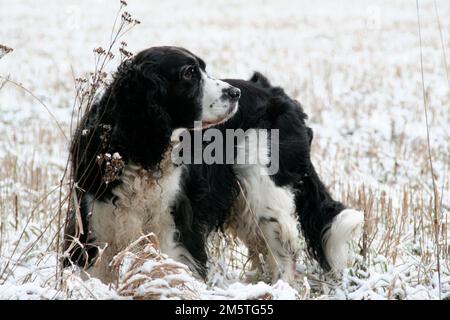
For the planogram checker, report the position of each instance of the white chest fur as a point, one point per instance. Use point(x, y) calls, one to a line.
point(142, 206)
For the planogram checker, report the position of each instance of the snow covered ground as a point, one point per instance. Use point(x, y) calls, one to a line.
point(355, 67)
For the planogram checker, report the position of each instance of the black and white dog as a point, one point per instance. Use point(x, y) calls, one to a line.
point(127, 184)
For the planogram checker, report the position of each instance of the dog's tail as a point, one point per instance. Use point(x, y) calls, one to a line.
point(326, 224)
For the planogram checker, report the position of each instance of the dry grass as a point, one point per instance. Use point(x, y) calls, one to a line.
point(147, 274)
point(370, 147)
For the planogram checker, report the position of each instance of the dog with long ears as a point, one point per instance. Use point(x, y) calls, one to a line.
point(127, 184)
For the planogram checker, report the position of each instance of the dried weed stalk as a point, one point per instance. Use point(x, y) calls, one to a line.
point(147, 274)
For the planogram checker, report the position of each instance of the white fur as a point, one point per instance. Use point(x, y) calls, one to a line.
point(344, 228)
point(264, 219)
point(142, 206)
point(214, 106)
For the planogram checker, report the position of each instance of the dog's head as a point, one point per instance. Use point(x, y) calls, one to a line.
point(157, 91)
point(175, 80)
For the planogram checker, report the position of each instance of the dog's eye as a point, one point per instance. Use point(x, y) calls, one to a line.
point(189, 73)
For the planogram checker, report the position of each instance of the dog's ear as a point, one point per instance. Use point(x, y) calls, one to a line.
point(142, 126)
point(137, 85)
point(155, 85)
point(259, 79)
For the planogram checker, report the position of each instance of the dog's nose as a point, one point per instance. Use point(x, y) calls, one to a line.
point(233, 93)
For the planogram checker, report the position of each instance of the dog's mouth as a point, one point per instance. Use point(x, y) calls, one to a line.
point(230, 112)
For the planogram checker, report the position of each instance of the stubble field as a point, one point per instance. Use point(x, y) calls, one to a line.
point(356, 69)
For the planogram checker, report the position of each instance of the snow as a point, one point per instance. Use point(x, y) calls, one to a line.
point(354, 66)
